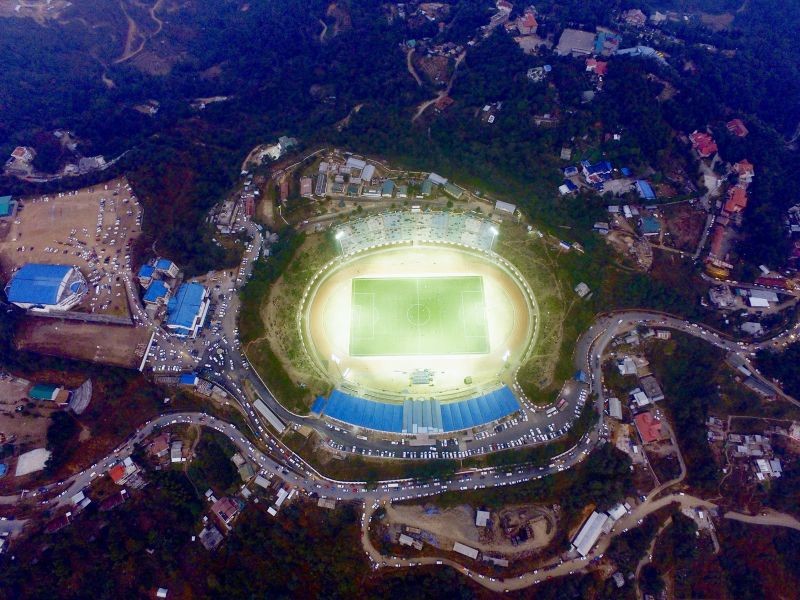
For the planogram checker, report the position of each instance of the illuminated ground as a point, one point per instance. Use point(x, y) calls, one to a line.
point(432, 335)
point(404, 316)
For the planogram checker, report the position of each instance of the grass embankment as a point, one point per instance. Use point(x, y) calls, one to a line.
point(268, 317)
point(371, 470)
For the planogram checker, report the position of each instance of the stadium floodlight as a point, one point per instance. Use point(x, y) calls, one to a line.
point(506, 355)
point(336, 359)
point(494, 235)
point(339, 235)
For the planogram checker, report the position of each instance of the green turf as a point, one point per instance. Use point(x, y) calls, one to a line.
point(413, 316)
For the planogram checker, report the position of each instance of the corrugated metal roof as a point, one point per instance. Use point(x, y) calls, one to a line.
point(185, 305)
point(146, 271)
point(164, 264)
point(5, 206)
point(37, 283)
point(158, 289)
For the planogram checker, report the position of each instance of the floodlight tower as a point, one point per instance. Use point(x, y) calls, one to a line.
point(494, 235)
point(339, 235)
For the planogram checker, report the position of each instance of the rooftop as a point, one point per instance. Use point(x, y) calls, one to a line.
point(37, 283)
point(157, 290)
point(185, 305)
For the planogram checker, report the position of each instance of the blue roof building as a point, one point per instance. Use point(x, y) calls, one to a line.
point(46, 287)
point(167, 266)
point(387, 189)
point(570, 171)
point(187, 310)
point(146, 271)
point(645, 191)
point(650, 226)
point(157, 292)
point(188, 379)
point(6, 206)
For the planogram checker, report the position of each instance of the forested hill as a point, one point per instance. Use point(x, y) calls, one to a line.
point(297, 67)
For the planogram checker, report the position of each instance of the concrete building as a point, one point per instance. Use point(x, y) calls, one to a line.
point(575, 42)
point(166, 266)
point(465, 550)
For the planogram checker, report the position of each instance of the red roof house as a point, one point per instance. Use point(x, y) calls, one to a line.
point(117, 473)
point(527, 24)
point(225, 509)
point(718, 242)
point(649, 427)
point(599, 67)
point(737, 200)
point(444, 102)
point(737, 127)
point(703, 144)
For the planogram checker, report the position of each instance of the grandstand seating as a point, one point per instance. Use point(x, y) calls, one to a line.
point(403, 226)
point(418, 416)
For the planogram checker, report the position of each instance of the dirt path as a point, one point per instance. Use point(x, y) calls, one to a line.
point(422, 107)
point(134, 32)
point(410, 66)
point(323, 32)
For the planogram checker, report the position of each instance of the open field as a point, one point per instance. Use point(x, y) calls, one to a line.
point(27, 428)
point(106, 344)
point(457, 524)
point(501, 319)
point(418, 316)
point(89, 228)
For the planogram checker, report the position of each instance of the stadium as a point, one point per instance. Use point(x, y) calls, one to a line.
point(44, 288)
point(418, 324)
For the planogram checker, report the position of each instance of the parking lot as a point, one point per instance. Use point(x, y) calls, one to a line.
point(91, 228)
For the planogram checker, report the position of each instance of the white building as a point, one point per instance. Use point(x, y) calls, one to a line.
point(590, 532)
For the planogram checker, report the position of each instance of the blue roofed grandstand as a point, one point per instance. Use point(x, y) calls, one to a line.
point(418, 416)
point(44, 287)
point(157, 292)
point(187, 310)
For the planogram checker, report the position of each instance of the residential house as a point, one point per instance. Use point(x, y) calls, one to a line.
point(703, 144)
point(305, 187)
point(159, 447)
point(23, 154)
point(527, 24)
point(648, 426)
point(225, 509)
point(634, 17)
point(596, 173)
point(737, 127)
point(737, 200)
point(745, 170)
point(598, 67)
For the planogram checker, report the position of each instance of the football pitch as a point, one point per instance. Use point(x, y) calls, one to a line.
point(411, 316)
